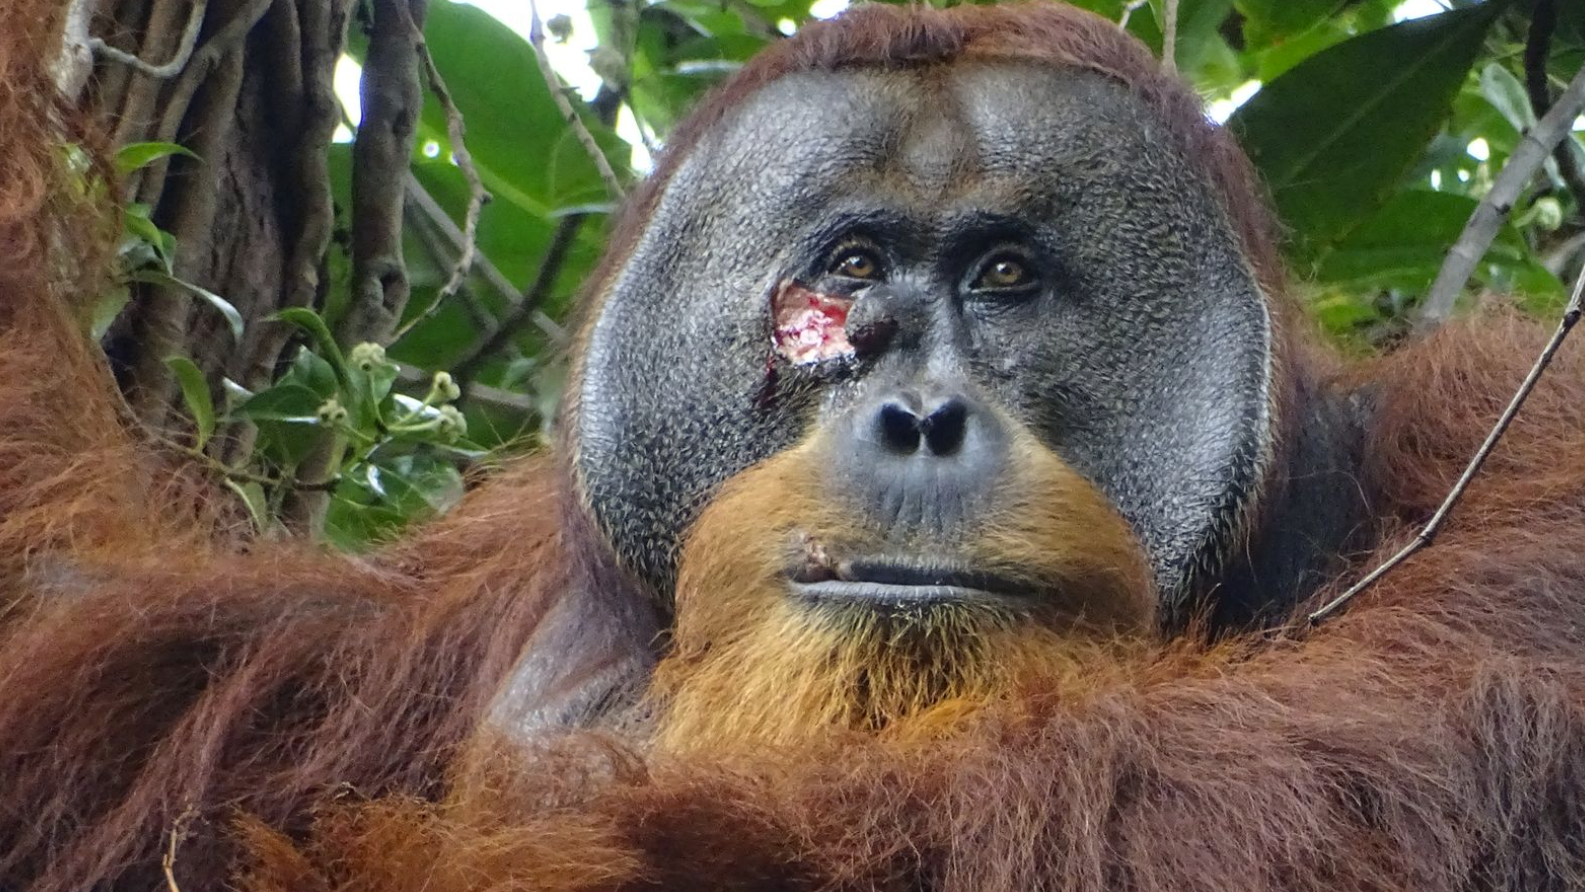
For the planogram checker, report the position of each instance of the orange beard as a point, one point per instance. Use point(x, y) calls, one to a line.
point(754, 665)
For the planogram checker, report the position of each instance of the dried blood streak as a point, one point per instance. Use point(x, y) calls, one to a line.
point(809, 326)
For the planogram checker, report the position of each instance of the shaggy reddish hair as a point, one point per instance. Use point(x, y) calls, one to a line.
point(296, 720)
point(1431, 738)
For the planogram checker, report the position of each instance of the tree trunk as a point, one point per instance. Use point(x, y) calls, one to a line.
point(252, 218)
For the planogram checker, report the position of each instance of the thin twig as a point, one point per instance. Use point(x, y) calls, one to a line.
point(1571, 315)
point(1537, 50)
point(1169, 37)
point(1129, 9)
point(494, 397)
point(754, 20)
point(1488, 217)
point(536, 37)
point(440, 251)
point(168, 861)
point(478, 196)
point(544, 280)
point(418, 196)
point(171, 68)
point(227, 472)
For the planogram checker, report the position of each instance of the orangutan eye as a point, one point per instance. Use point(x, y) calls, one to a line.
point(1005, 272)
point(856, 263)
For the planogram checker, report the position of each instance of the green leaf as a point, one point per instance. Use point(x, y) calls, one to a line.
point(195, 391)
point(312, 371)
point(354, 527)
point(137, 221)
point(106, 309)
point(377, 382)
point(1408, 236)
point(1275, 60)
point(164, 279)
point(1336, 133)
point(420, 489)
point(1270, 20)
point(140, 154)
point(528, 157)
point(375, 500)
point(1539, 290)
point(366, 395)
point(358, 516)
point(1403, 246)
point(287, 402)
point(285, 444)
point(234, 394)
point(1507, 95)
point(1342, 314)
point(310, 322)
point(252, 496)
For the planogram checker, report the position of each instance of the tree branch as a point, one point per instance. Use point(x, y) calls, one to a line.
point(392, 94)
point(1427, 534)
point(165, 313)
point(322, 29)
point(478, 196)
point(141, 104)
point(171, 68)
point(494, 397)
point(175, 105)
point(1537, 49)
point(1129, 8)
point(319, 28)
point(512, 323)
point(437, 248)
point(536, 37)
point(76, 60)
point(1466, 253)
point(497, 280)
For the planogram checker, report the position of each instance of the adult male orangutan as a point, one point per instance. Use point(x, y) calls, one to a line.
point(943, 464)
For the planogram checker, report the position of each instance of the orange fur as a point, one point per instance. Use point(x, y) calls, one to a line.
point(1431, 738)
point(750, 667)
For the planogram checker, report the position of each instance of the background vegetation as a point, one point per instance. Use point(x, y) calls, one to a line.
point(285, 300)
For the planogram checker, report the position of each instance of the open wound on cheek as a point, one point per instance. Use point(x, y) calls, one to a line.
point(809, 326)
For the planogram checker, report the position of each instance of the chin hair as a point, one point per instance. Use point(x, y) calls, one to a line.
point(807, 671)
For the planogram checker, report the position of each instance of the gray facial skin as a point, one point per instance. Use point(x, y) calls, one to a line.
point(1141, 356)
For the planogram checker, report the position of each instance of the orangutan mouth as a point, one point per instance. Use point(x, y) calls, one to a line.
point(888, 580)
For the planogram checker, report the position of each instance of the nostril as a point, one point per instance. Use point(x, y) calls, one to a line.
point(946, 427)
point(899, 428)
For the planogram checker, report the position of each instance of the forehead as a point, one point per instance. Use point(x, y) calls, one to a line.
point(938, 135)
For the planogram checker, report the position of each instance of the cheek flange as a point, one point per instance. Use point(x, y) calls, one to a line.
point(809, 327)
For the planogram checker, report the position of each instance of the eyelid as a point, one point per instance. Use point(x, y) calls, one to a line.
point(1015, 253)
point(854, 245)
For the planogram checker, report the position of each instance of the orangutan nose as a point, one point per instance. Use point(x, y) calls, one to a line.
point(922, 456)
point(939, 429)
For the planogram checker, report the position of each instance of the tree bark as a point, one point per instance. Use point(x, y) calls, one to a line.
point(252, 214)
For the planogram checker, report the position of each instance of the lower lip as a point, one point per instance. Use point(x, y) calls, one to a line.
point(889, 593)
